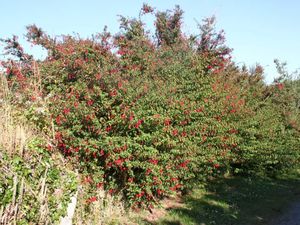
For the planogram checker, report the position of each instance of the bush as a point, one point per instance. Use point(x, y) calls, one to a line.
point(147, 118)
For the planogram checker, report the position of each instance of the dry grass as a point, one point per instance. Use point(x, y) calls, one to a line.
point(106, 210)
point(15, 134)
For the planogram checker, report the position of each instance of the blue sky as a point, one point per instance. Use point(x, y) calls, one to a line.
point(258, 30)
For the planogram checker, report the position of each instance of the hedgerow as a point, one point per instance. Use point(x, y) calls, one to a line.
point(147, 117)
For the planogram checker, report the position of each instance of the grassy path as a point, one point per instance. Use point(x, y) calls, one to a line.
point(236, 201)
point(290, 217)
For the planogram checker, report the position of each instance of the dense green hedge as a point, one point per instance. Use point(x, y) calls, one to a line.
point(147, 117)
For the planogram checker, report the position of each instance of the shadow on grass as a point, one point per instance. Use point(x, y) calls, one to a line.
point(235, 201)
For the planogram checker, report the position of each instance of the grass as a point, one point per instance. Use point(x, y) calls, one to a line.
point(236, 201)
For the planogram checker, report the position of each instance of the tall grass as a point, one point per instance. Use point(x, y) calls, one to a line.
point(14, 134)
point(106, 210)
point(13, 137)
